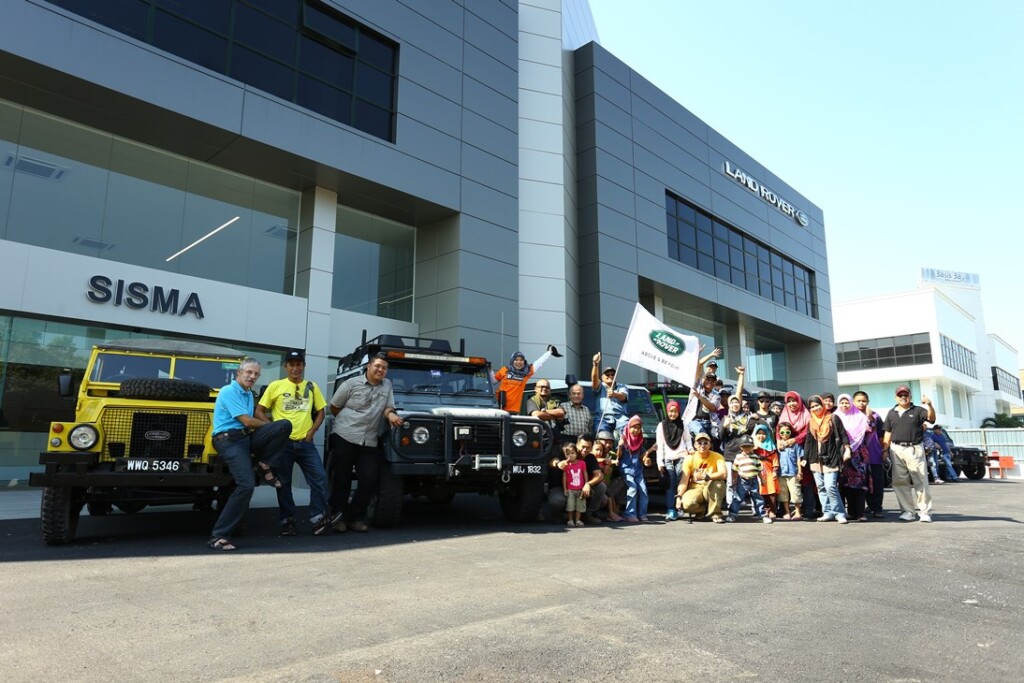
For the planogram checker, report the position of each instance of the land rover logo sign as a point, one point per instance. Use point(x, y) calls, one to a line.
point(667, 343)
point(765, 194)
point(157, 435)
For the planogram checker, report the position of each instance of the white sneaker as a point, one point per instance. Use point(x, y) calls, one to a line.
point(908, 517)
point(925, 517)
point(842, 520)
point(766, 520)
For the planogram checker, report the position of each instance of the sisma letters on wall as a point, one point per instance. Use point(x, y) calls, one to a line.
point(139, 296)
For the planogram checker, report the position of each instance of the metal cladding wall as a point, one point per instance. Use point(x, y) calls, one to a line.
point(635, 143)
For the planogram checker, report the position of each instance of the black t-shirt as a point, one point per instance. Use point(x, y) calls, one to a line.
point(908, 428)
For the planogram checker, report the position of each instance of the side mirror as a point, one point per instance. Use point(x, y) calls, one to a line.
point(65, 385)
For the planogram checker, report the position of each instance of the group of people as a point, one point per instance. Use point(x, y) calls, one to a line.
point(267, 439)
point(822, 458)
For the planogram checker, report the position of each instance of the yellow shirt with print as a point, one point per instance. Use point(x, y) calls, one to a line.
point(293, 402)
point(710, 464)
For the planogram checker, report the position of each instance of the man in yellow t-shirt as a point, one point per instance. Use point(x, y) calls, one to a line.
point(702, 482)
point(299, 401)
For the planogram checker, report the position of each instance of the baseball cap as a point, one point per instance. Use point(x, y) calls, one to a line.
point(608, 369)
point(295, 354)
point(711, 376)
point(747, 440)
point(902, 388)
point(702, 437)
point(765, 395)
point(605, 435)
point(712, 362)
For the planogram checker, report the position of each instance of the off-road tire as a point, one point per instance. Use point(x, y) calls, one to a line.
point(59, 512)
point(974, 471)
point(164, 390)
point(386, 507)
point(521, 498)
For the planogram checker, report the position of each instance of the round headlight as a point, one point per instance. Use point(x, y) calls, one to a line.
point(83, 437)
point(519, 438)
point(421, 435)
point(536, 429)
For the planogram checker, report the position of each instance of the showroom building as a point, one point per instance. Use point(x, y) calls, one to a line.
point(269, 175)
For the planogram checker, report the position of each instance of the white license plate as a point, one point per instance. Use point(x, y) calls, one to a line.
point(155, 465)
point(526, 469)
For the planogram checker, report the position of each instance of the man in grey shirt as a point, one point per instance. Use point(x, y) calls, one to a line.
point(360, 405)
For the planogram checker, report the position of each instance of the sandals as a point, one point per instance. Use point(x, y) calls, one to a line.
point(263, 470)
point(222, 544)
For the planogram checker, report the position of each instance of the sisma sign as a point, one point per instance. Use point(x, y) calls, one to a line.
point(140, 296)
point(766, 195)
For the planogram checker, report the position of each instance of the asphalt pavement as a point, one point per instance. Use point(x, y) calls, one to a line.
point(455, 594)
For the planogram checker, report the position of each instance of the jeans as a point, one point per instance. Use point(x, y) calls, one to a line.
point(933, 466)
point(673, 471)
point(951, 474)
point(609, 422)
point(267, 444)
point(365, 460)
point(696, 427)
point(828, 494)
point(304, 454)
point(747, 487)
point(636, 493)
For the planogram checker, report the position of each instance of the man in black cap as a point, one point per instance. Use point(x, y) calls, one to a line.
point(299, 401)
point(763, 414)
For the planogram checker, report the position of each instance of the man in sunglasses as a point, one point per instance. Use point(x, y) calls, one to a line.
point(904, 434)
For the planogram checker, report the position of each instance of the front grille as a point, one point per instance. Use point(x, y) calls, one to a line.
point(486, 438)
point(126, 429)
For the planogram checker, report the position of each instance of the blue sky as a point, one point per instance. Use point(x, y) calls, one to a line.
point(903, 121)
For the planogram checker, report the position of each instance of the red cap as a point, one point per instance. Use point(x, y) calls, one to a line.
point(902, 388)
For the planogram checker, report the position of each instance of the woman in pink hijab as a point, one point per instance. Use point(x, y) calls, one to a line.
point(796, 414)
point(853, 477)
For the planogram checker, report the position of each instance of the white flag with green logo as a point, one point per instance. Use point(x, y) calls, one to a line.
point(653, 345)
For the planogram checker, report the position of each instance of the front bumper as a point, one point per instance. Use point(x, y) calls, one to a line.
point(82, 470)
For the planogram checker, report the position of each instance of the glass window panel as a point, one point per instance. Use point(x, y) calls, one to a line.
point(672, 228)
point(264, 34)
point(329, 26)
point(790, 300)
point(704, 243)
point(373, 265)
point(127, 16)
point(753, 285)
point(777, 295)
point(738, 278)
point(686, 213)
point(190, 42)
point(373, 84)
point(722, 270)
point(324, 99)
point(372, 120)
point(787, 267)
point(776, 260)
point(706, 263)
point(777, 278)
point(762, 252)
point(790, 284)
point(688, 256)
point(261, 72)
point(736, 257)
point(286, 10)
point(749, 246)
point(213, 198)
point(885, 352)
point(58, 198)
point(274, 238)
point(735, 239)
point(750, 263)
point(10, 124)
point(721, 249)
point(720, 231)
point(673, 249)
point(670, 205)
point(687, 234)
point(801, 274)
point(703, 222)
point(922, 349)
point(213, 14)
point(920, 337)
point(377, 52)
point(903, 339)
point(869, 364)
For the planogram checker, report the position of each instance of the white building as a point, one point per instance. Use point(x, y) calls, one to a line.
point(934, 340)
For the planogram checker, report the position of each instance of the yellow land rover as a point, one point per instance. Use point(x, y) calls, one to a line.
point(141, 434)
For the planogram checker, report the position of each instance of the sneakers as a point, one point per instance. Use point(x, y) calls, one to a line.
point(288, 527)
point(718, 520)
point(570, 524)
point(766, 520)
point(842, 520)
point(325, 522)
point(924, 517)
point(671, 516)
point(908, 517)
point(938, 481)
point(730, 519)
point(580, 524)
point(827, 518)
point(358, 526)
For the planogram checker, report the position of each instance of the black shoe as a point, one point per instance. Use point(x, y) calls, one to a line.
point(288, 527)
point(325, 523)
point(554, 351)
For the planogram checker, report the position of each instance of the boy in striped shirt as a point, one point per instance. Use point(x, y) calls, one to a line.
point(747, 467)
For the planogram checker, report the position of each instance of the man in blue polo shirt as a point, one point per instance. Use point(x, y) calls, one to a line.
point(238, 436)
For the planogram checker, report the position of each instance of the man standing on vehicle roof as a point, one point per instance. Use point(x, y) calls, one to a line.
point(299, 401)
point(360, 406)
point(513, 377)
point(904, 434)
point(611, 399)
point(237, 436)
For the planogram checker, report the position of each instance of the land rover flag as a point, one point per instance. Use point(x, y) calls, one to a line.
point(653, 345)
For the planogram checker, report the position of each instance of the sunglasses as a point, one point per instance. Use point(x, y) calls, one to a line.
point(781, 433)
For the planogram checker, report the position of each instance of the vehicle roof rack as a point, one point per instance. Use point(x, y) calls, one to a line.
point(396, 342)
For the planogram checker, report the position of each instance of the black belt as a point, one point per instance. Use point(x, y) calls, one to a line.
point(232, 434)
point(907, 444)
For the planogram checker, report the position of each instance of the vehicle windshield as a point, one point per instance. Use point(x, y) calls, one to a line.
point(440, 378)
point(117, 367)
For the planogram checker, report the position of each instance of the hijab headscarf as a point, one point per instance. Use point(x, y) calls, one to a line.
point(798, 419)
point(821, 427)
point(633, 443)
point(512, 373)
point(673, 429)
point(769, 441)
point(855, 422)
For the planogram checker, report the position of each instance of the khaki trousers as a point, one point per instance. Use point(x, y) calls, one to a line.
point(704, 498)
point(910, 471)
